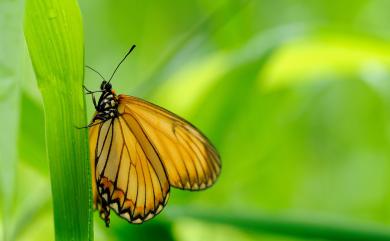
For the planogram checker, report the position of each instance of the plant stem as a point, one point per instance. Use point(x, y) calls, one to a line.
point(53, 30)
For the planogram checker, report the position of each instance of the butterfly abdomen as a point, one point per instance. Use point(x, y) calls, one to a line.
point(107, 106)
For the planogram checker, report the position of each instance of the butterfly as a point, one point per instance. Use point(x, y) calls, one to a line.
point(139, 150)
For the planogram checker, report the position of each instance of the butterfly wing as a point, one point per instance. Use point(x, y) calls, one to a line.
point(189, 158)
point(128, 174)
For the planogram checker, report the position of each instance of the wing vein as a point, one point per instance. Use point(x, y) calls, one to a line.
point(109, 149)
point(151, 144)
point(163, 144)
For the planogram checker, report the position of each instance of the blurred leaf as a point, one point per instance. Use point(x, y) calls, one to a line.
point(33, 207)
point(290, 226)
point(147, 231)
point(188, 44)
point(324, 54)
point(10, 53)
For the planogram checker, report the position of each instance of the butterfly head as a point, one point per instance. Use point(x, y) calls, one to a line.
point(106, 86)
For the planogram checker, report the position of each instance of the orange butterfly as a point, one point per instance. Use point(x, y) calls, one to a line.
point(139, 150)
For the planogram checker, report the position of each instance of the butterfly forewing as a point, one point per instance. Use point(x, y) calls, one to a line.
point(190, 160)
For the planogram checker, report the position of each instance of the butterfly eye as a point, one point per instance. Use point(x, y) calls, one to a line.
point(105, 86)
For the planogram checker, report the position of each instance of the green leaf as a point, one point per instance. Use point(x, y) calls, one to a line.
point(54, 34)
point(32, 135)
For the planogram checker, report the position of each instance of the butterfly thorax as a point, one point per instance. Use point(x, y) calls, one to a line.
point(107, 106)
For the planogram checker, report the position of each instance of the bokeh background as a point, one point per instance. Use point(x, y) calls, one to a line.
point(294, 94)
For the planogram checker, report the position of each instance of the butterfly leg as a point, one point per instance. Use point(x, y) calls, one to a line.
point(97, 117)
point(88, 91)
point(94, 100)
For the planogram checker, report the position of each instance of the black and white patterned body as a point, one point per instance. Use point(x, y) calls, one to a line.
point(107, 106)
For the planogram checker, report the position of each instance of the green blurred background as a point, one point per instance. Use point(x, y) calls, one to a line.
point(294, 94)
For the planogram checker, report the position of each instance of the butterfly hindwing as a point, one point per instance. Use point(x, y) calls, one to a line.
point(129, 177)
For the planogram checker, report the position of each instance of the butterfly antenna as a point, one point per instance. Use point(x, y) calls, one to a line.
point(131, 49)
point(94, 70)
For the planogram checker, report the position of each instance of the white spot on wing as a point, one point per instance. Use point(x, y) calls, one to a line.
point(126, 216)
point(160, 207)
point(166, 199)
point(114, 206)
point(150, 215)
point(105, 196)
point(138, 220)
